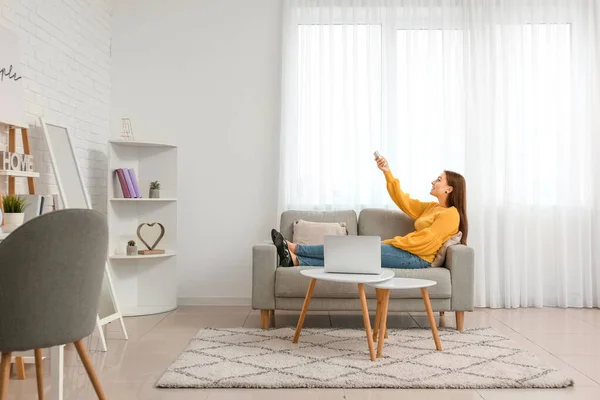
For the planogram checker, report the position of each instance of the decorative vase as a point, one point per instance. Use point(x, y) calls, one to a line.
point(155, 193)
point(12, 221)
point(132, 250)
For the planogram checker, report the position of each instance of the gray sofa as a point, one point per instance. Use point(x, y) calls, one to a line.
point(277, 288)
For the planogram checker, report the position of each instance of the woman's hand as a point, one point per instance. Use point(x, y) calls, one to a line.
point(382, 164)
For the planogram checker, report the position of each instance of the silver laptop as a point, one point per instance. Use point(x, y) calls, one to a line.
point(352, 254)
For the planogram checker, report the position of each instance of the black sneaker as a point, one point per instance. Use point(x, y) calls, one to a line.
point(285, 258)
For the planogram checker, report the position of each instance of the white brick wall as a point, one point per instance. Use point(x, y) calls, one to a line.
point(65, 47)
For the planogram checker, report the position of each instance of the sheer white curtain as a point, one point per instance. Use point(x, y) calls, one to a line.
point(506, 92)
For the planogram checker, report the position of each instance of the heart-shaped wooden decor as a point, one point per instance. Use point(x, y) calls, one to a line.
point(151, 250)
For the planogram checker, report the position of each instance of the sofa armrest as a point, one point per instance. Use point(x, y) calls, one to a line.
point(460, 260)
point(264, 265)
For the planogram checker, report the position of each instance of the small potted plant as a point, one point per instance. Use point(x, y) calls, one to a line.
point(131, 248)
point(154, 190)
point(14, 212)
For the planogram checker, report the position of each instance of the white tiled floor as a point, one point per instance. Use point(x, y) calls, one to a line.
point(565, 338)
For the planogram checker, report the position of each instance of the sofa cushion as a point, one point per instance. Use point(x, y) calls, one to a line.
point(308, 232)
point(290, 216)
point(440, 256)
point(384, 223)
point(290, 283)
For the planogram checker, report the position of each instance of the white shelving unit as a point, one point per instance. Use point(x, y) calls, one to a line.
point(144, 284)
point(138, 257)
point(143, 199)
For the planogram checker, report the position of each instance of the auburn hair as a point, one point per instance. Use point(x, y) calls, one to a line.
point(458, 198)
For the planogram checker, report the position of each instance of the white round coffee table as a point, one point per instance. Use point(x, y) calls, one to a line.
point(360, 279)
point(383, 299)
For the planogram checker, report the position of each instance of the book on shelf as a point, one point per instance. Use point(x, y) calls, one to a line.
point(33, 206)
point(129, 183)
point(136, 184)
point(123, 183)
point(130, 186)
point(56, 204)
point(36, 205)
point(47, 204)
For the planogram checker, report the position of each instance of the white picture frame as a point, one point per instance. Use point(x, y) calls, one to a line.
point(73, 194)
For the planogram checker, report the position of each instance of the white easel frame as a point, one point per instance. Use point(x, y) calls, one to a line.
point(65, 203)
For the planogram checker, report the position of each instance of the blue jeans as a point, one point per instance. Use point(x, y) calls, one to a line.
point(391, 257)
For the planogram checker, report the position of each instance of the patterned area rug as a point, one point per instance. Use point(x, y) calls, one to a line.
point(339, 358)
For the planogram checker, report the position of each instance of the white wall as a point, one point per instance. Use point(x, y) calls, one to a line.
point(65, 48)
point(205, 75)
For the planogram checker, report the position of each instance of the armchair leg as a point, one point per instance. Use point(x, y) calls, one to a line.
point(264, 318)
point(39, 373)
point(460, 320)
point(4, 375)
point(89, 368)
point(20, 367)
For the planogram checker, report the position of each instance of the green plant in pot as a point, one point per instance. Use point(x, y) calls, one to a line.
point(14, 212)
point(131, 248)
point(154, 190)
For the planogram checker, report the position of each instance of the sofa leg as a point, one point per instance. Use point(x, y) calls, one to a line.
point(264, 318)
point(442, 319)
point(460, 320)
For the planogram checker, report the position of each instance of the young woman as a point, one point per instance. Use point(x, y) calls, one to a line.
point(435, 223)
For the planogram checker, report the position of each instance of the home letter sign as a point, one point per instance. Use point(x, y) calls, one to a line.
point(17, 162)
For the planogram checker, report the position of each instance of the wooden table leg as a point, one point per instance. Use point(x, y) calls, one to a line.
point(385, 303)
point(367, 321)
point(377, 314)
point(434, 330)
point(309, 293)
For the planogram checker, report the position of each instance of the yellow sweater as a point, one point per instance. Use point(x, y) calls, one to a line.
point(434, 224)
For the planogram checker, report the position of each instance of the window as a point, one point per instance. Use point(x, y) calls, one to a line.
point(420, 96)
point(532, 134)
point(430, 109)
point(339, 112)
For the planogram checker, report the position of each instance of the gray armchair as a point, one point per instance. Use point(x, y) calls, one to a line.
point(51, 272)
